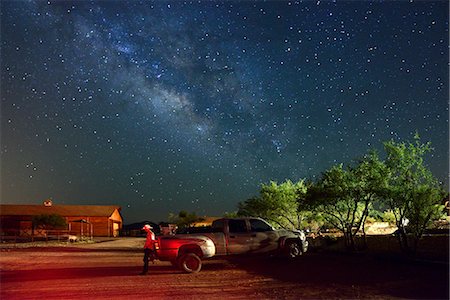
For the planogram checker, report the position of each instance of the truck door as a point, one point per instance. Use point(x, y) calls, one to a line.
point(264, 238)
point(239, 238)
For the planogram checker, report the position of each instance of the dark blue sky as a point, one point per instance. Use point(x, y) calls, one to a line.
point(168, 105)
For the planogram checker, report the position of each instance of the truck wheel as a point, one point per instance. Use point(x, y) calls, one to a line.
point(190, 263)
point(293, 249)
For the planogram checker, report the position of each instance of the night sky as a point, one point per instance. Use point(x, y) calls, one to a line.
point(166, 106)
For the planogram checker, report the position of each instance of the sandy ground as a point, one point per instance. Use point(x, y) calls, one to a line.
point(109, 270)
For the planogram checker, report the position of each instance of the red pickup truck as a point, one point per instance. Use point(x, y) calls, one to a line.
point(229, 236)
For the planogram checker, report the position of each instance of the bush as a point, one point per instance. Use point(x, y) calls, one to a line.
point(52, 221)
point(388, 216)
point(375, 216)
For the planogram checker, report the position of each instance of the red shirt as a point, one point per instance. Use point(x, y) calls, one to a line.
point(150, 240)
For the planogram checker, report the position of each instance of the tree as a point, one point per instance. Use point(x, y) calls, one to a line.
point(45, 221)
point(413, 193)
point(344, 196)
point(370, 177)
point(184, 219)
point(279, 204)
point(331, 196)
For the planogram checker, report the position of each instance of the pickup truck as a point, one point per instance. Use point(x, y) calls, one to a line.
point(229, 236)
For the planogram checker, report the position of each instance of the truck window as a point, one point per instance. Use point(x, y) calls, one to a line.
point(218, 226)
point(259, 226)
point(237, 226)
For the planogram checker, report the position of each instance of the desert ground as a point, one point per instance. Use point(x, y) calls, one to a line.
point(109, 270)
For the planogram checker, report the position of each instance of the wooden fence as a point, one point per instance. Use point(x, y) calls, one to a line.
point(24, 236)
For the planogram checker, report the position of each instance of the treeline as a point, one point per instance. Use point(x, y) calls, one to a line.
point(399, 188)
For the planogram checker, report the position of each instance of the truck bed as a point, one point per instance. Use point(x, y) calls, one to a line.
point(218, 239)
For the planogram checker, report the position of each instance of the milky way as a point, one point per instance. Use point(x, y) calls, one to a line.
point(166, 106)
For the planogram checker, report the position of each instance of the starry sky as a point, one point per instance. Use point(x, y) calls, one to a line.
point(162, 106)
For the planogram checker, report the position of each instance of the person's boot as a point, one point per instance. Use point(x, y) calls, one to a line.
point(144, 271)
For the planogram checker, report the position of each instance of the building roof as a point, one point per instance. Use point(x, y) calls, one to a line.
point(62, 210)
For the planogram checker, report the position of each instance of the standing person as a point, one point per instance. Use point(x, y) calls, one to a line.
point(148, 247)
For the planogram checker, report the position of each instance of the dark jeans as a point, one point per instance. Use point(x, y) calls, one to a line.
point(148, 253)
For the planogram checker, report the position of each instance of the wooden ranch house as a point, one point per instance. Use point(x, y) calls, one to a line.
point(84, 220)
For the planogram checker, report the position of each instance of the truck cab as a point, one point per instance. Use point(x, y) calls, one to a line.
point(230, 236)
point(254, 235)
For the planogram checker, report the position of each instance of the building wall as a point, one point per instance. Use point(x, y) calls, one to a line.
point(78, 228)
point(116, 217)
point(101, 226)
point(116, 223)
point(96, 226)
point(14, 225)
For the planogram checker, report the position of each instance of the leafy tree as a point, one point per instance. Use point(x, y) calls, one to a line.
point(344, 196)
point(413, 193)
point(370, 179)
point(52, 221)
point(279, 204)
point(332, 197)
point(184, 219)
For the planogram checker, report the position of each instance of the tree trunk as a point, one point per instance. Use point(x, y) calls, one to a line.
point(364, 247)
point(403, 239)
point(350, 241)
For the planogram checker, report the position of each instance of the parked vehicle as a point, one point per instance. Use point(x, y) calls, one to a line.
point(229, 236)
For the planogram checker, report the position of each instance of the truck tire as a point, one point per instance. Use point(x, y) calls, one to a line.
point(293, 249)
point(190, 263)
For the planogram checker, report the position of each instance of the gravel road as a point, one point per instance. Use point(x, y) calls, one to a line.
point(109, 270)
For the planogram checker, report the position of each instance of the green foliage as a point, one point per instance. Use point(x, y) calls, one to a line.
point(375, 215)
point(344, 196)
point(370, 219)
point(314, 220)
point(184, 219)
point(388, 216)
point(401, 186)
point(52, 221)
point(424, 208)
point(413, 194)
point(279, 204)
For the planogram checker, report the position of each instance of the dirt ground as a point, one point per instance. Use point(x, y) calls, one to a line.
point(110, 271)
